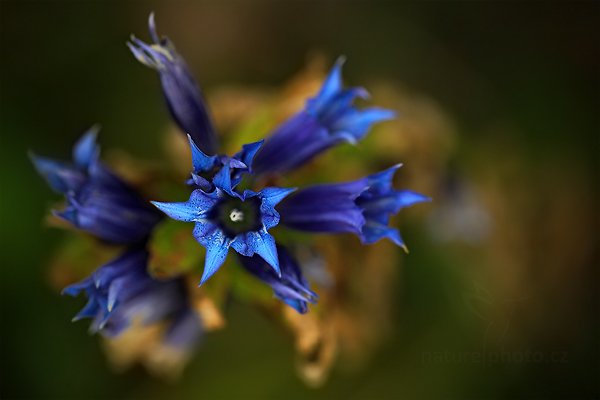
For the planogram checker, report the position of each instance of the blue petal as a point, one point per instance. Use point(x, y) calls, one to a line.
point(192, 210)
point(382, 182)
point(340, 104)
point(407, 198)
point(154, 57)
point(261, 243)
point(292, 144)
point(114, 214)
point(69, 214)
point(373, 232)
point(216, 253)
point(60, 176)
point(130, 261)
point(88, 311)
point(271, 196)
point(331, 85)
point(265, 247)
point(76, 288)
point(201, 182)
point(201, 161)
point(358, 122)
point(116, 286)
point(86, 150)
point(269, 216)
point(103, 177)
point(178, 211)
point(235, 164)
point(204, 231)
point(248, 152)
point(152, 28)
point(222, 180)
point(297, 305)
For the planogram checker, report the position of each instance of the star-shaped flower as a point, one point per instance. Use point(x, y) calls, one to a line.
point(121, 292)
point(291, 287)
point(327, 120)
point(206, 167)
point(181, 92)
point(225, 218)
point(98, 201)
point(362, 207)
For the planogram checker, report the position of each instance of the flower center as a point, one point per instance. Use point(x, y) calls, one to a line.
point(235, 216)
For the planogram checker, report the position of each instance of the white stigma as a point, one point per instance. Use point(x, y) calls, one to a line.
point(236, 215)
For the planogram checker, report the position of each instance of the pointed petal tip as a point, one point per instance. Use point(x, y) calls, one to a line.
point(340, 61)
point(407, 198)
point(399, 242)
point(131, 47)
point(34, 158)
point(152, 28)
point(86, 150)
point(290, 190)
point(273, 261)
point(206, 275)
point(66, 215)
point(203, 280)
point(180, 211)
point(95, 129)
point(170, 209)
point(348, 138)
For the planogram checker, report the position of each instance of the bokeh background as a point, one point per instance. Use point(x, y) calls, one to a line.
point(499, 295)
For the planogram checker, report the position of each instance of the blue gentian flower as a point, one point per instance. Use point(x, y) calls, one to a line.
point(98, 202)
point(291, 288)
point(205, 167)
point(326, 120)
point(122, 292)
point(225, 218)
point(183, 97)
point(362, 207)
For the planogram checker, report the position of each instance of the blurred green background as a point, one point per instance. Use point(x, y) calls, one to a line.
point(520, 82)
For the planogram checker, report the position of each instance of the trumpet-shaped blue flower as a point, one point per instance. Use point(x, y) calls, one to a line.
point(326, 120)
point(362, 207)
point(225, 218)
point(98, 202)
point(205, 167)
point(121, 292)
point(291, 288)
point(182, 94)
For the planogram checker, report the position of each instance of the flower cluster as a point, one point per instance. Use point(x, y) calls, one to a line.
point(121, 291)
point(227, 210)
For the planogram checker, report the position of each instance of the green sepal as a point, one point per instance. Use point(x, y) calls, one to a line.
point(173, 251)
